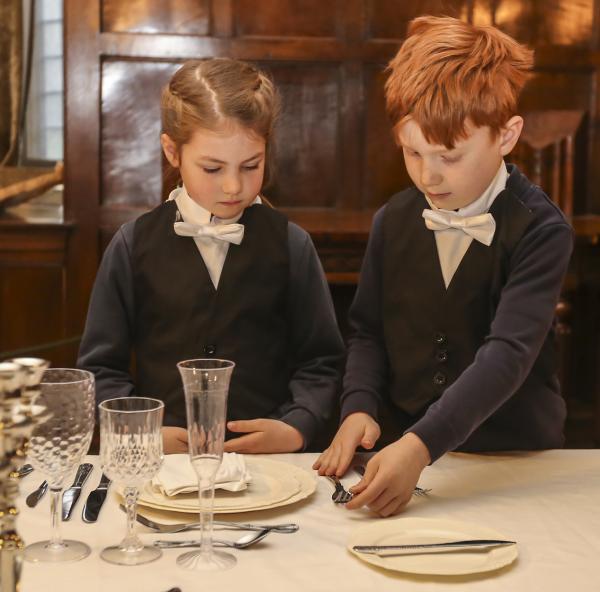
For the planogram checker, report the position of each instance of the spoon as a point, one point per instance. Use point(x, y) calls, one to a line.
point(35, 496)
point(21, 472)
point(243, 542)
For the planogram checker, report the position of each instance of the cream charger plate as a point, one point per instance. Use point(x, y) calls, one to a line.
point(274, 483)
point(407, 531)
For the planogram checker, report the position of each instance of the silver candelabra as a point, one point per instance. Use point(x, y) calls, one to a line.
point(19, 386)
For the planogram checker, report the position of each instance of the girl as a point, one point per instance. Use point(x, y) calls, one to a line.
point(214, 272)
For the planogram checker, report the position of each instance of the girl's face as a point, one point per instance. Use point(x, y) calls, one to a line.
point(222, 170)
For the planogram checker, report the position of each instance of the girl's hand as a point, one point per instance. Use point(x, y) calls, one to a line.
point(263, 436)
point(175, 440)
point(357, 428)
point(391, 476)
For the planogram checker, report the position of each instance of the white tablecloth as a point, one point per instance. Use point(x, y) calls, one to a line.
point(547, 501)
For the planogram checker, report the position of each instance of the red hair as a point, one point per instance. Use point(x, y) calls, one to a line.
point(448, 71)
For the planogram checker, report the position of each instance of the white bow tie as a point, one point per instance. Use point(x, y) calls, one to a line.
point(481, 227)
point(231, 233)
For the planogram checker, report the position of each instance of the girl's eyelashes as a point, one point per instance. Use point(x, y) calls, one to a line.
point(247, 167)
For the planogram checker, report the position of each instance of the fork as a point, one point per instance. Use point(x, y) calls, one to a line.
point(418, 491)
point(185, 526)
point(340, 495)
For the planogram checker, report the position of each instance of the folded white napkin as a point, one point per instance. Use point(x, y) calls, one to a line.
point(178, 476)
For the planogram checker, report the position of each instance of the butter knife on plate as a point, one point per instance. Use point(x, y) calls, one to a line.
point(71, 495)
point(94, 502)
point(466, 545)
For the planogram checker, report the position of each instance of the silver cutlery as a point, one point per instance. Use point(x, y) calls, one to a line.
point(243, 542)
point(21, 472)
point(418, 491)
point(185, 526)
point(467, 545)
point(71, 495)
point(340, 495)
point(95, 500)
point(35, 496)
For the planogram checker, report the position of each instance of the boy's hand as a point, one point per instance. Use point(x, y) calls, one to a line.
point(391, 476)
point(175, 440)
point(264, 436)
point(357, 428)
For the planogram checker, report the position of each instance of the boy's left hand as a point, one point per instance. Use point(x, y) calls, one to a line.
point(263, 436)
point(391, 476)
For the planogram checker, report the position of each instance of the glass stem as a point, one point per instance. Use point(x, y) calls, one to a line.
point(206, 492)
point(55, 541)
point(131, 543)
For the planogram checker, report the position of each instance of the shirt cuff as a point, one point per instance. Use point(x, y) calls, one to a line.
point(304, 422)
point(435, 434)
point(359, 402)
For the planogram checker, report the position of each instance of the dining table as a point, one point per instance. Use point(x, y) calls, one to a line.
point(546, 501)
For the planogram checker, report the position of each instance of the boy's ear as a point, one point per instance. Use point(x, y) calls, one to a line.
point(170, 149)
point(509, 134)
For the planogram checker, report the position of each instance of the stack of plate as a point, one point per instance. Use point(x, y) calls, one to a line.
point(274, 483)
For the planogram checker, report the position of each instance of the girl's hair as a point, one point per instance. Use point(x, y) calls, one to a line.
point(448, 71)
point(210, 93)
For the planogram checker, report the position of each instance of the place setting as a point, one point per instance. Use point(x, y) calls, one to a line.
point(131, 456)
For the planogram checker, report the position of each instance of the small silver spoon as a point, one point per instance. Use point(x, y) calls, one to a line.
point(21, 472)
point(243, 542)
point(35, 496)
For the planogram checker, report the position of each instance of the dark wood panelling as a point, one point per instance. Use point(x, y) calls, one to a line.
point(42, 311)
point(33, 298)
point(286, 18)
point(388, 19)
point(307, 139)
point(384, 170)
point(540, 22)
point(130, 144)
point(183, 17)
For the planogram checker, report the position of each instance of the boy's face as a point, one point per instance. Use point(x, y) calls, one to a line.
point(452, 179)
point(221, 170)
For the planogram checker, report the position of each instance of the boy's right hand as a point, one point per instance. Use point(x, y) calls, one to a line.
point(175, 440)
point(357, 429)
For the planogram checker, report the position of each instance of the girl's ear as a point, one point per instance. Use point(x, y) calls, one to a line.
point(170, 149)
point(509, 134)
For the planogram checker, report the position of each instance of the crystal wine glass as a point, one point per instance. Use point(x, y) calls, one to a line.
point(58, 442)
point(131, 453)
point(206, 386)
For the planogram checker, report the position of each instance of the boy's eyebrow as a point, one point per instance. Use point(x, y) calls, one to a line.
point(216, 160)
point(440, 151)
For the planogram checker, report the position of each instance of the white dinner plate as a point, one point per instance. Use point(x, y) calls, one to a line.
point(274, 483)
point(406, 531)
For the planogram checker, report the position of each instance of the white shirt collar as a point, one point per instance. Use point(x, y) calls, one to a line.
point(484, 202)
point(193, 213)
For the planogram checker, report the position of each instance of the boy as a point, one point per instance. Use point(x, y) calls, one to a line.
point(452, 341)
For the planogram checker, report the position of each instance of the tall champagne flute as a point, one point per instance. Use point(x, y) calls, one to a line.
point(131, 454)
point(58, 442)
point(206, 386)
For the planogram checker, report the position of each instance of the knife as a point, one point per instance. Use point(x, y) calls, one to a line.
point(71, 495)
point(35, 496)
point(95, 500)
point(470, 545)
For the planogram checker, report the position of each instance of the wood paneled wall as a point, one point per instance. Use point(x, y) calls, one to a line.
point(335, 156)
